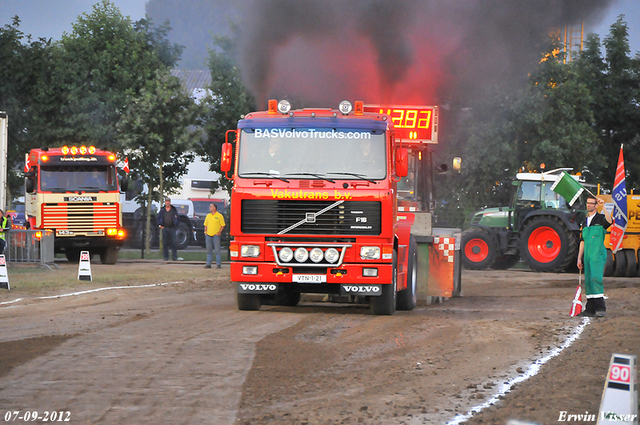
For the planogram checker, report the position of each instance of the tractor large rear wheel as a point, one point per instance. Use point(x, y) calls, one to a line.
point(546, 245)
point(479, 249)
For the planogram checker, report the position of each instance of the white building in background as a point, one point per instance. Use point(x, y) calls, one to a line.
point(198, 181)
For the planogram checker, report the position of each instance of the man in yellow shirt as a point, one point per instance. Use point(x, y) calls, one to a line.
point(213, 225)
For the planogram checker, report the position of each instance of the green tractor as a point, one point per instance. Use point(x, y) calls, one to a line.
point(539, 226)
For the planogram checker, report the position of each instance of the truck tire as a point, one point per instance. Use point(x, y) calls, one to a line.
point(479, 249)
point(152, 236)
point(385, 304)
point(632, 263)
point(505, 262)
point(72, 254)
point(183, 236)
point(620, 267)
point(609, 265)
point(546, 245)
point(407, 297)
point(109, 255)
point(248, 301)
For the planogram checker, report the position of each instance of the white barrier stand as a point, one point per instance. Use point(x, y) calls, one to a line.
point(4, 275)
point(84, 269)
point(620, 398)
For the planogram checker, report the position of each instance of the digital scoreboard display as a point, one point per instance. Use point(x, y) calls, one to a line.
point(418, 124)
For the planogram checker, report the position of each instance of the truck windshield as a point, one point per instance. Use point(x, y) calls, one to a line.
point(312, 154)
point(78, 178)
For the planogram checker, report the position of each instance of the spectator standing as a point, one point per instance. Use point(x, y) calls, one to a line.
point(213, 226)
point(168, 222)
point(592, 248)
point(4, 227)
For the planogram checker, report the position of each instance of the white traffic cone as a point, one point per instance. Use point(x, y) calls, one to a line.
point(4, 275)
point(84, 268)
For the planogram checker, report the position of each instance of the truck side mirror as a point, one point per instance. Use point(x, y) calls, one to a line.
point(402, 162)
point(225, 158)
point(29, 184)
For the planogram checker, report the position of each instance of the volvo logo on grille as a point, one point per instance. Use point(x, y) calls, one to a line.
point(80, 198)
point(311, 217)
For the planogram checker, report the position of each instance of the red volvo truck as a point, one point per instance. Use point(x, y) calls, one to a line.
point(74, 192)
point(321, 203)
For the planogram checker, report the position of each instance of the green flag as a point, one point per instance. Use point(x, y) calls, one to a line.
point(568, 187)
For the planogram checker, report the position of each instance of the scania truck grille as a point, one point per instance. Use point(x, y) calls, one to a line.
point(287, 217)
point(79, 217)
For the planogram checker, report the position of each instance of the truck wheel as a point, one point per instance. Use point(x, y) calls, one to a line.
point(248, 301)
point(73, 255)
point(109, 255)
point(407, 297)
point(546, 245)
point(505, 262)
point(479, 249)
point(632, 263)
point(385, 304)
point(620, 268)
point(152, 236)
point(183, 236)
point(609, 265)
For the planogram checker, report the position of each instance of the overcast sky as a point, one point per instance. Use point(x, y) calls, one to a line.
point(50, 18)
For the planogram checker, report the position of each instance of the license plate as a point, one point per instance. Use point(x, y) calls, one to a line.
point(309, 278)
point(64, 232)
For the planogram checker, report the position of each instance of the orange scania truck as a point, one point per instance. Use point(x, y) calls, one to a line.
point(73, 191)
point(323, 201)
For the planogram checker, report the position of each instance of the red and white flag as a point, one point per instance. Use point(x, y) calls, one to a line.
point(126, 165)
point(576, 306)
point(619, 213)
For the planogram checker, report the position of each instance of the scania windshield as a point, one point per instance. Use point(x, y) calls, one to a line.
point(85, 178)
point(312, 153)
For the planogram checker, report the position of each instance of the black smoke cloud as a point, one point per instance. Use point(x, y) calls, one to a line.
point(401, 51)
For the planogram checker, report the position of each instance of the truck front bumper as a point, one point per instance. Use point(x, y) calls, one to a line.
point(266, 278)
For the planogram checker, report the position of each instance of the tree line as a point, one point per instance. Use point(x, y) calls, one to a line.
point(573, 114)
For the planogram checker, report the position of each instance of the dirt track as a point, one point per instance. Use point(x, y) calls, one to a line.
point(182, 353)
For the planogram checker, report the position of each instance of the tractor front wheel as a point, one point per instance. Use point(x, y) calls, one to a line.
point(479, 249)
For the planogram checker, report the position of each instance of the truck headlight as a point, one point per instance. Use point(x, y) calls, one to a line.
point(250, 251)
point(285, 254)
point(316, 255)
point(301, 255)
point(370, 252)
point(331, 255)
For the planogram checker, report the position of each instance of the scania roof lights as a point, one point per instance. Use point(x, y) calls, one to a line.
point(345, 107)
point(284, 106)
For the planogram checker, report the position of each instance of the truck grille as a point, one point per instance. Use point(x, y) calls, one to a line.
point(80, 217)
point(275, 216)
